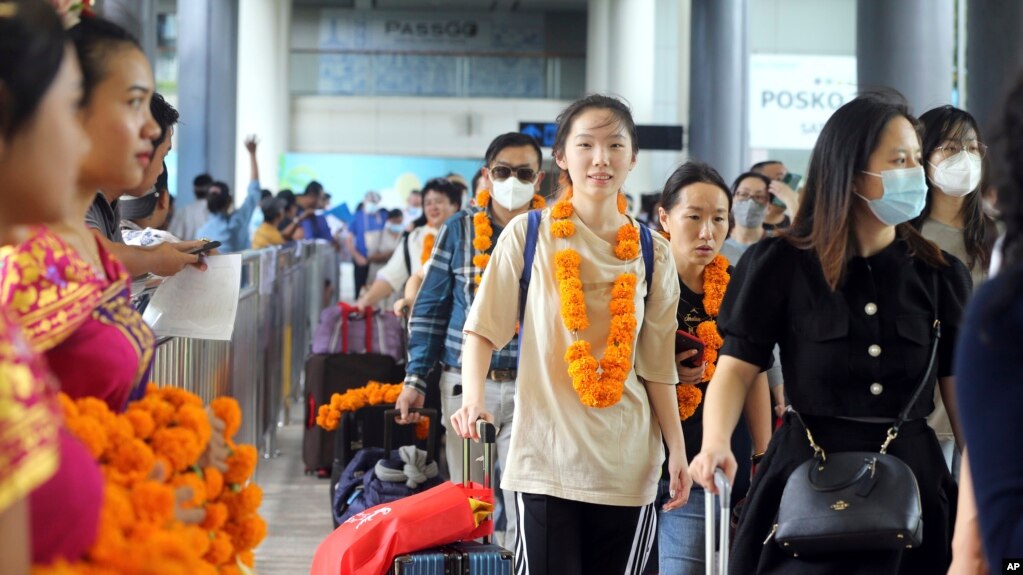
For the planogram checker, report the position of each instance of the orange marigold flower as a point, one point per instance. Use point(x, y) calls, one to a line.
point(179, 397)
point(221, 550)
point(248, 558)
point(626, 250)
point(247, 533)
point(216, 516)
point(241, 464)
point(133, 458)
point(117, 507)
point(483, 198)
point(568, 259)
point(141, 422)
point(196, 484)
point(196, 420)
point(689, 398)
point(229, 569)
point(161, 411)
point(214, 482)
point(180, 446)
point(477, 279)
point(623, 203)
point(153, 501)
point(67, 405)
point(539, 202)
point(90, 432)
point(708, 333)
point(562, 210)
point(228, 411)
point(563, 228)
point(481, 243)
point(423, 428)
point(480, 260)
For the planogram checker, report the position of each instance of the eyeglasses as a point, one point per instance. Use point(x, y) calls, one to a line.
point(743, 195)
point(502, 173)
point(972, 147)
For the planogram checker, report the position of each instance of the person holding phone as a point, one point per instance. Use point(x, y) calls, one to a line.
point(694, 208)
point(784, 199)
point(850, 294)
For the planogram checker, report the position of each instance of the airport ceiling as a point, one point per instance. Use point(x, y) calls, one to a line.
point(455, 5)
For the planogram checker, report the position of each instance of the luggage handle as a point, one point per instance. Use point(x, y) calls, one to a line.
point(431, 440)
point(488, 436)
point(725, 497)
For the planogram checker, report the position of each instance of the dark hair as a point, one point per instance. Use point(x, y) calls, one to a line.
point(415, 193)
point(444, 186)
point(476, 182)
point(841, 153)
point(218, 198)
point(288, 196)
point(161, 180)
point(979, 231)
point(272, 208)
point(619, 112)
point(203, 180)
point(759, 166)
point(164, 114)
point(750, 174)
point(31, 52)
point(512, 140)
point(313, 187)
point(265, 193)
point(395, 213)
point(95, 40)
point(688, 174)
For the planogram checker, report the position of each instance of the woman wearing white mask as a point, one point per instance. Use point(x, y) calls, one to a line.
point(749, 208)
point(850, 293)
point(953, 216)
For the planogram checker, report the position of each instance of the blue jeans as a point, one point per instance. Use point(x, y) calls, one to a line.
point(680, 534)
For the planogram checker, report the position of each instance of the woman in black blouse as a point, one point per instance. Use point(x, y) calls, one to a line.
point(848, 296)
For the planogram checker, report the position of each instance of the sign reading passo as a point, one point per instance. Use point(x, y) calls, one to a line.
point(791, 97)
point(434, 29)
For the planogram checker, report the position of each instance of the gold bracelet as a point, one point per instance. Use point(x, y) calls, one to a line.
point(756, 457)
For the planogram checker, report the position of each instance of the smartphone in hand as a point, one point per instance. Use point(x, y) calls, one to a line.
point(205, 248)
point(684, 341)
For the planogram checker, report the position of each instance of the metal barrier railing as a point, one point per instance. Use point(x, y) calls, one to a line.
point(282, 294)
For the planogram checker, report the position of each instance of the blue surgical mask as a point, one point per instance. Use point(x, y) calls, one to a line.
point(395, 228)
point(905, 193)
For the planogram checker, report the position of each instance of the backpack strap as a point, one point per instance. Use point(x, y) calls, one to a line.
point(646, 244)
point(532, 233)
point(408, 257)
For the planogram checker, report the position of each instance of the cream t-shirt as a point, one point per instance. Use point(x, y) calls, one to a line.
point(394, 272)
point(559, 447)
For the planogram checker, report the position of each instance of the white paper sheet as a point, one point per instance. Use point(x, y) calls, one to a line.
point(197, 304)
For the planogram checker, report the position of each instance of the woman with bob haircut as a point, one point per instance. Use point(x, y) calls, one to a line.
point(848, 294)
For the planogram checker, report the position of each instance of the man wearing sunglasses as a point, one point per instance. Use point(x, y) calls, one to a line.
point(512, 173)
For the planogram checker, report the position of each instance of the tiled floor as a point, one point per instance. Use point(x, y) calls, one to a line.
point(295, 506)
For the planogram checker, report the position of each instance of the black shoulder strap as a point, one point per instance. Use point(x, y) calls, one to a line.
point(408, 257)
point(935, 336)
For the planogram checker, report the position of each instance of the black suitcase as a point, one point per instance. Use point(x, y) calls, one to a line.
point(464, 557)
point(327, 374)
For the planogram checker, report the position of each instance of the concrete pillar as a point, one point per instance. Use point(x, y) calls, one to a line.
point(994, 55)
point(719, 84)
point(263, 102)
point(907, 45)
point(207, 92)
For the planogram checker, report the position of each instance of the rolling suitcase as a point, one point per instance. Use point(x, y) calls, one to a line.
point(464, 557)
point(724, 512)
point(326, 374)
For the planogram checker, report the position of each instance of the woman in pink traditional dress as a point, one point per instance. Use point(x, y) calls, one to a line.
point(71, 295)
point(50, 486)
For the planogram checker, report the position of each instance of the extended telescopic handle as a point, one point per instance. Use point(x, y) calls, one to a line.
point(724, 510)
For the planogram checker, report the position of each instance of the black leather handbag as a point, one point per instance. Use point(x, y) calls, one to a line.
point(855, 500)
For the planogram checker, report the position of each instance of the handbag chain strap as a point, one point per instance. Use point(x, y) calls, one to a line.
point(893, 431)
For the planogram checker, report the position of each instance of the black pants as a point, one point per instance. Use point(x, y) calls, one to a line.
point(361, 275)
point(562, 537)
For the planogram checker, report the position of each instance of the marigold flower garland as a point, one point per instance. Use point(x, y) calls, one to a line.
point(147, 455)
point(329, 414)
point(484, 231)
point(603, 388)
point(428, 241)
point(715, 282)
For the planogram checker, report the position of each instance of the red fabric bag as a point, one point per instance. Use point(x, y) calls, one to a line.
point(367, 543)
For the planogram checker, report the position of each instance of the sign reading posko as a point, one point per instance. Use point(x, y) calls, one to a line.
point(792, 96)
point(433, 32)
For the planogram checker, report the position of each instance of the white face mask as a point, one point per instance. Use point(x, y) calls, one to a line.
point(512, 193)
point(957, 175)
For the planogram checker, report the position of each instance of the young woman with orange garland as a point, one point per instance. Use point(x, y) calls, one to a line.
point(694, 212)
point(596, 371)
